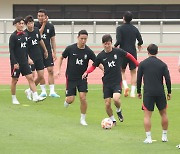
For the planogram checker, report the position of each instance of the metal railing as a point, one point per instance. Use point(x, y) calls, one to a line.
point(94, 23)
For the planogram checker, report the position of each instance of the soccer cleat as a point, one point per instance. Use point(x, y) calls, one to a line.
point(83, 122)
point(39, 98)
point(28, 94)
point(66, 105)
point(54, 95)
point(15, 101)
point(164, 138)
point(148, 141)
point(132, 95)
point(43, 94)
point(114, 123)
point(120, 116)
point(126, 92)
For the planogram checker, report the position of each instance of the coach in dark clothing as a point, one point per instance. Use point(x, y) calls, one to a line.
point(126, 36)
point(153, 71)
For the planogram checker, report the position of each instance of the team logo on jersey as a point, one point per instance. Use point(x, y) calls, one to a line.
point(115, 56)
point(79, 61)
point(34, 42)
point(47, 30)
point(111, 64)
point(37, 36)
point(85, 56)
point(26, 38)
point(43, 36)
point(23, 45)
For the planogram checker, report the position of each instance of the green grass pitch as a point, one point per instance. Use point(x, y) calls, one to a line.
point(49, 128)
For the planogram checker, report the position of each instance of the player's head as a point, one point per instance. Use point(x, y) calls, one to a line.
point(127, 17)
point(19, 23)
point(42, 14)
point(82, 37)
point(29, 21)
point(107, 42)
point(152, 49)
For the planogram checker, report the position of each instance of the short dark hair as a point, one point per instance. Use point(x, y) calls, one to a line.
point(18, 19)
point(28, 18)
point(43, 11)
point(106, 38)
point(128, 16)
point(82, 32)
point(152, 49)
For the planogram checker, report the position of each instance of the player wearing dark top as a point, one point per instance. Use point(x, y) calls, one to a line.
point(153, 71)
point(47, 32)
point(111, 59)
point(19, 60)
point(36, 58)
point(78, 56)
point(126, 36)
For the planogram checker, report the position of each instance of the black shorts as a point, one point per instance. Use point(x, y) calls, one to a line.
point(49, 61)
point(150, 101)
point(71, 87)
point(38, 65)
point(127, 61)
point(109, 89)
point(24, 69)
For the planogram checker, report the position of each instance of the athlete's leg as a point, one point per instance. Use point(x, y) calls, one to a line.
point(133, 82)
point(13, 90)
point(116, 98)
point(83, 107)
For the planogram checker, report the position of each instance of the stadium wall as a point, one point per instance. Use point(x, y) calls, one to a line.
point(6, 7)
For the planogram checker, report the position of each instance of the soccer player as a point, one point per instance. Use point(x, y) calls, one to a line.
point(19, 60)
point(34, 42)
point(47, 32)
point(111, 59)
point(153, 70)
point(126, 36)
point(78, 55)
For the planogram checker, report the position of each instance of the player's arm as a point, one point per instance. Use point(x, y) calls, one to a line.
point(168, 82)
point(11, 50)
point(118, 37)
point(131, 57)
point(53, 42)
point(59, 65)
point(89, 70)
point(44, 48)
point(140, 41)
point(139, 81)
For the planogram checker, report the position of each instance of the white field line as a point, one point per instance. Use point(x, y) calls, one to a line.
point(63, 89)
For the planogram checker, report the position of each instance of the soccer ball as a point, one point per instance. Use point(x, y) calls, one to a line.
point(107, 123)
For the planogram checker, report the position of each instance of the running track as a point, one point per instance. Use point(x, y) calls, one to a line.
point(94, 77)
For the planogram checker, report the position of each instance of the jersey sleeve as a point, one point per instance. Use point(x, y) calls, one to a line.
point(92, 56)
point(167, 79)
point(97, 61)
point(11, 49)
point(52, 32)
point(118, 36)
point(139, 78)
point(65, 54)
point(122, 53)
point(139, 38)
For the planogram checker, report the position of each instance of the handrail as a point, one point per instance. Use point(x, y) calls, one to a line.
point(94, 23)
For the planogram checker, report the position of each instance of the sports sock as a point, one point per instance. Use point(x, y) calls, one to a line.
point(148, 135)
point(14, 97)
point(51, 87)
point(133, 88)
point(118, 109)
point(125, 84)
point(83, 116)
point(43, 88)
point(112, 118)
point(35, 95)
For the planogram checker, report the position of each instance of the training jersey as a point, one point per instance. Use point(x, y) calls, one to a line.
point(112, 65)
point(126, 36)
point(34, 50)
point(153, 70)
point(18, 48)
point(48, 32)
point(78, 60)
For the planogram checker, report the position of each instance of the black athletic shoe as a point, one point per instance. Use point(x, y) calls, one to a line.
point(120, 116)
